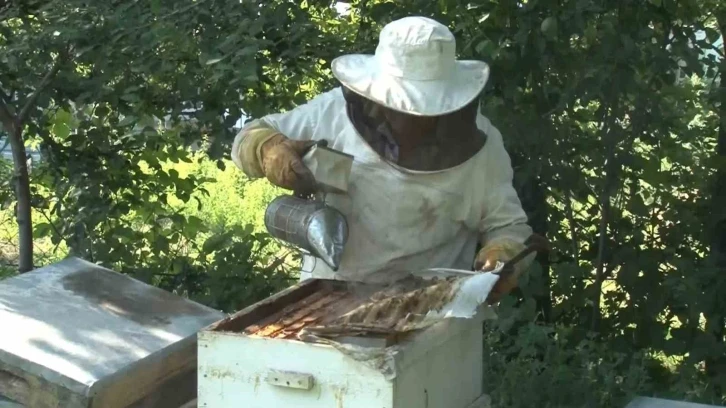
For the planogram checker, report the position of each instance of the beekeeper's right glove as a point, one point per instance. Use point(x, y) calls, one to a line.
point(281, 162)
point(262, 151)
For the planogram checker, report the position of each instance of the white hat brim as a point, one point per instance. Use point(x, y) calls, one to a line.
point(361, 74)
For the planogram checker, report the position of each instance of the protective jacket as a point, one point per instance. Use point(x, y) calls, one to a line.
point(399, 219)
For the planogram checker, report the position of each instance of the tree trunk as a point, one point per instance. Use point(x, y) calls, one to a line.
point(13, 124)
point(534, 202)
point(610, 168)
point(23, 214)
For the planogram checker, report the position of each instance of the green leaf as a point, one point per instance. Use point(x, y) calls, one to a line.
point(162, 243)
point(549, 27)
point(196, 224)
point(42, 229)
point(62, 123)
point(155, 6)
point(484, 48)
point(215, 242)
point(127, 120)
point(61, 130)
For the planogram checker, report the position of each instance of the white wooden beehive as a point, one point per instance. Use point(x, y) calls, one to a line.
point(440, 367)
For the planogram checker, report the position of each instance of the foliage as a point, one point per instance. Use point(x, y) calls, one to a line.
point(610, 111)
point(557, 374)
point(122, 103)
point(618, 168)
point(230, 200)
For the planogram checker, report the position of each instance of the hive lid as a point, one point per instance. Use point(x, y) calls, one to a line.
point(6, 403)
point(75, 323)
point(644, 402)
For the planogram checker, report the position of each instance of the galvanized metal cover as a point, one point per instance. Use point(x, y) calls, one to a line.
point(75, 323)
point(6, 403)
point(644, 402)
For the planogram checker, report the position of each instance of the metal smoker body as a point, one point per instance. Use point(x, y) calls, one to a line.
point(310, 224)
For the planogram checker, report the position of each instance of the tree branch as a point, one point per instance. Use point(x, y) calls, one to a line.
point(4, 97)
point(6, 118)
point(55, 229)
point(164, 17)
point(573, 228)
point(20, 119)
point(610, 173)
point(5, 146)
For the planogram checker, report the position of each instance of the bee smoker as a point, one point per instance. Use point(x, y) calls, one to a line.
point(309, 223)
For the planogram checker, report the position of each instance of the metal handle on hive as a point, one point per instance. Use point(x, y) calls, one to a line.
point(289, 379)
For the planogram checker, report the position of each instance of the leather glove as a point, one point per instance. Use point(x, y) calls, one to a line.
point(500, 251)
point(281, 162)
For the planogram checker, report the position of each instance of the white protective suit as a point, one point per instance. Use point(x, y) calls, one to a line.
point(402, 220)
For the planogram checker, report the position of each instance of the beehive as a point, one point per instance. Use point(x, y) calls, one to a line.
point(255, 358)
point(78, 335)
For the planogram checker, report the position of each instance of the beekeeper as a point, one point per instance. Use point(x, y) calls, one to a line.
point(431, 181)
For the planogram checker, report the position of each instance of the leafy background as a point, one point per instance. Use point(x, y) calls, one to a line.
point(614, 114)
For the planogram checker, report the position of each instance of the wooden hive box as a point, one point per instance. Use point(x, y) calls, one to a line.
point(78, 335)
point(253, 359)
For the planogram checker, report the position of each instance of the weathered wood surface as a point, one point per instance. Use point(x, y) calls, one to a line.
point(83, 335)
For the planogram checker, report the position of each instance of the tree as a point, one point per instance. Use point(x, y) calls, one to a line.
point(604, 107)
point(130, 88)
point(138, 62)
point(20, 101)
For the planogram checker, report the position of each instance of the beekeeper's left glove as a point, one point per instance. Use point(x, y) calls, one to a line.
point(501, 251)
